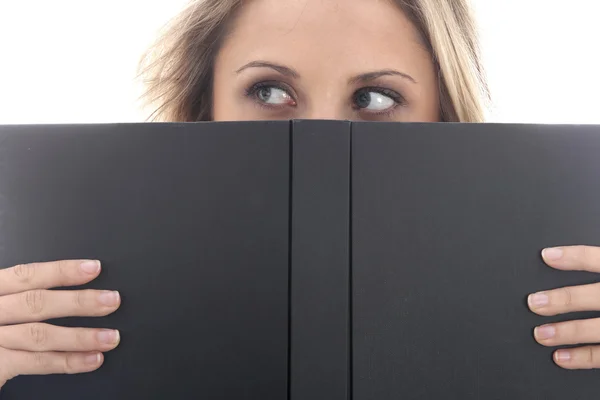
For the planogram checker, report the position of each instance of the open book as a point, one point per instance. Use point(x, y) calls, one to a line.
point(308, 259)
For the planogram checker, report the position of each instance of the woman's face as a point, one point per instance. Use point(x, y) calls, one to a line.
point(324, 59)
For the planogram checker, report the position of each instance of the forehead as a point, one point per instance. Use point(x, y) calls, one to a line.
point(339, 30)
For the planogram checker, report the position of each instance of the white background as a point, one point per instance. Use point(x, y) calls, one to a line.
point(74, 61)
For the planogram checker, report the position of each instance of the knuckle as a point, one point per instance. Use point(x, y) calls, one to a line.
point(590, 257)
point(590, 356)
point(79, 299)
point(567, 297)
point(34, 301)
point(81, 338)
point(573, 331)
point(584, 254)
point(69, 366)
point(41, 361)
point(24, 273)
point(61, 269)
point(578, 326)
point(38, 334)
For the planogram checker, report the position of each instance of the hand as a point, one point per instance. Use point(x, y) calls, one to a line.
point(571, 299)
point(29, 347)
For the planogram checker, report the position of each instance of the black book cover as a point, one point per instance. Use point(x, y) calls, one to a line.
point(311, 259)
point(191, 224)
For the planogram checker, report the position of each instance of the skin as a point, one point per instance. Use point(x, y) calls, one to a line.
point(337, 51)
point(328, 44)
point(567, 300)
point(29, 347)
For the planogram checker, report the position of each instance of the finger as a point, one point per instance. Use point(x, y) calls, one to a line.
point(40, 337)
point(566, 300)
point(570, 332)
point(41, 305)
point(16, 363)
point(25, 277)
point(573, 258)
point(587, 357)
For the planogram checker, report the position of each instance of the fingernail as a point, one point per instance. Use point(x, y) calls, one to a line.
point(562, 355)
point(109, 299)
point(552, 254)
point(545, 332)
point(538, 300)
point(90, 267)
point(108, 337)
point(92, 359)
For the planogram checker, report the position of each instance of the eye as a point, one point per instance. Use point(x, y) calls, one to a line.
point(376, 99)
point(272, 95)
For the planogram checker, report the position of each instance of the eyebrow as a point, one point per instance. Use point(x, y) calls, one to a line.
point(265, 64)
point(366, 77)
point(370, 76)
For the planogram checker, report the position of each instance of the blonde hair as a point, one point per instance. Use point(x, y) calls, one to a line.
point(177, 70)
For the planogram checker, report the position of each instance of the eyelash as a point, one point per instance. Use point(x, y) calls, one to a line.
point(397, 97)
point(252, 91)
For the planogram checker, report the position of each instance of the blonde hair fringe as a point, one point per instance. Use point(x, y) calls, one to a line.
point(177, 70)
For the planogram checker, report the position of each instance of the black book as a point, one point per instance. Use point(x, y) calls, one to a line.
point(308, 259)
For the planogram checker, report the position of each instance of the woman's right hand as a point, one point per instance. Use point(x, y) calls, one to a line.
point(30, 347)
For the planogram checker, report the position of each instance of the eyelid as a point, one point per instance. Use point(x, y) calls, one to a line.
point(251, 91)
point(276, 84)
point(393, 94)
point(370, 115)
point(399, 99)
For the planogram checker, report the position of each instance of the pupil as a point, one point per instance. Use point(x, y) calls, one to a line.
point(264, 94)
point(363, 99)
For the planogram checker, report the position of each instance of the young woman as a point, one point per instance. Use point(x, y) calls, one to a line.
point(393, 60)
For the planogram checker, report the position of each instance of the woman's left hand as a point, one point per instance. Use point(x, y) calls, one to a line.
point(571, 299)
